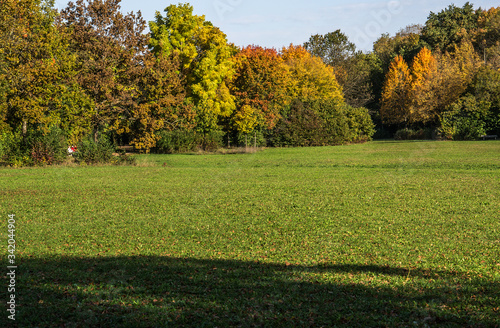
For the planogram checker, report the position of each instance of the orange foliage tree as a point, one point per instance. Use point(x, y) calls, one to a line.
point(420, 96)
point(260, 86)
point(394, 103)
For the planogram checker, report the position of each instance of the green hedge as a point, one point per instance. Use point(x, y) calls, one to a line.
point(321, 123)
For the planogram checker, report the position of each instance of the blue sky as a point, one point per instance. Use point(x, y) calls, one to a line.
point(279, 23)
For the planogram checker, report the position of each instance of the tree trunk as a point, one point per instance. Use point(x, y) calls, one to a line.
point(25, 128)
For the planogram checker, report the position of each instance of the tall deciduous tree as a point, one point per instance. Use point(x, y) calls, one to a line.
point(433, 84)
point(487, 37)
point(35, 67)
point(456, 70)
point(205, 61)
point(450, 27)
point(406, 43)
point(395, 97)
point(162, 103)
point(421, 96)
point(109, 47)
point(311, 78)
point(261, 86)
point(351, 67)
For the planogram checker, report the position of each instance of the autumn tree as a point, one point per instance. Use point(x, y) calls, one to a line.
point(35, 67)
point(456, 70)
point(420, 95)
point(204, 56)
point(161, 102)
point(311, 78)
point(395, 94)
point(487, 37)
point(109, 47)
point(261, 85)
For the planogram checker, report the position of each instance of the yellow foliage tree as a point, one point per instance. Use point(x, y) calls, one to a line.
point(205, 57)
point(455, 71)
point(395, 100)
point(311, 78)
point(246, 118)
point(421, 96)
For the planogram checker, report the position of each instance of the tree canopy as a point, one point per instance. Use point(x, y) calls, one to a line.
point(91, 72)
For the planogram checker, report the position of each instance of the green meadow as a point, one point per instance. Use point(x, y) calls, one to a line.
point(381, 234)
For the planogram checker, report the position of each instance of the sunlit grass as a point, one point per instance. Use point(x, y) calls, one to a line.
point(377, 234)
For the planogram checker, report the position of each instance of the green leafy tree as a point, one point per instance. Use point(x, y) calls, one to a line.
point(444, 30)
point(351, 67)
point(162, 102)
point(478, 111)
point(36, 68)
point(204, 55)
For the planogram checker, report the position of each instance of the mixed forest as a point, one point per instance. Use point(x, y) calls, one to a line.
point(92, 76)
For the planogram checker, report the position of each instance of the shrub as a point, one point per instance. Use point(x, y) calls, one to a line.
point(47, 148)
point(91, 152)
point(461, 127)
point(301, 127)
point(360, 123)
point(466, 119)
point(36, 148)
point(335, 122)
point(409, 134)
point(179, 141)
point(211, 141)
point(12, 151)
point(320, 123)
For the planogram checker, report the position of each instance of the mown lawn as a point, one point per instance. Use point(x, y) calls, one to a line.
point(383, 234)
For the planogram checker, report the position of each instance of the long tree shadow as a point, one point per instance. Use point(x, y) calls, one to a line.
point(178, 292)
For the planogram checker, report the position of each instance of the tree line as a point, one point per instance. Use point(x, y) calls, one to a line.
point(90, 75)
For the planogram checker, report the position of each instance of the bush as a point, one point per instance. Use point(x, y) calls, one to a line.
point(12, 151)
point(462, 128)
point(301, 127)
point(409, 134)
point(336, 129)
point(36, 148)
point(47, 148)
point(466, 119)
point(91, 152)
point(180, 141)
point(360, 123)
point(320, 123)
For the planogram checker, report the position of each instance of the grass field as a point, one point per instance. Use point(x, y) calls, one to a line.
point(382, 234)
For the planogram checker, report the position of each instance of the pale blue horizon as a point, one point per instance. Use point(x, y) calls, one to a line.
point(279, 23)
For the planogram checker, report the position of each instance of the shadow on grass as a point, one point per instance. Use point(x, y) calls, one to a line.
point(175, 292)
